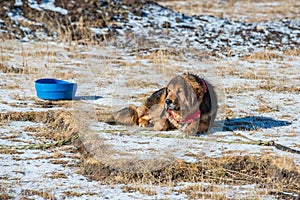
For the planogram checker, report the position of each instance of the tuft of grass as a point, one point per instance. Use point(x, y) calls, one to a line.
point(199, 191)
point(264, 108)
point(292, 52)
point(262, 56)
point(278, 87)
point(72, 194)
point(77, 194)
point(270, 172)
point(229, 112)
point(61, 162)
point(56, 175)
point(4, 196)
point(10, 151)
point(13, 70)
point(59, 124)
point(138, 188)
point(43, 194)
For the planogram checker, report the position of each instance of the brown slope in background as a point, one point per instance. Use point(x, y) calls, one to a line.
point(74, 26)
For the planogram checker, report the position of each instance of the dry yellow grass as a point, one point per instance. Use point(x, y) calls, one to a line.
point(5, 196)
point(78, 194)
point(15, 70)
point(10, 151)
point(292, 52)
point(56, 175)
point(59, 124)
point(266, 55)
point(249, 10)
point(43, 194)
point(264, 108)
point(138, 188)
point(275, 173)
point(229, 113)
point(279, 86)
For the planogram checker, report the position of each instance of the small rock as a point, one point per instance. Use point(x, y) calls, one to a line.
point(166, 25)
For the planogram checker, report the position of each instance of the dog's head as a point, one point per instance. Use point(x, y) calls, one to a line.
point(180, 98)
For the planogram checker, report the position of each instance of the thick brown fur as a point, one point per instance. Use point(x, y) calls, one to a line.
point(169, 107)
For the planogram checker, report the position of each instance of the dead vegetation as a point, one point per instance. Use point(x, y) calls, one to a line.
point(60, 124)
point(42, 194)
point(279, 86)
point(11, 69)
point(74, 26)
point(5, 196)
point(265, 55)
point(10, 151)
point(56, 175)
point(140, 189)
point(77, 194)
point(271, 173)
point(239, 10)
point(292, 52)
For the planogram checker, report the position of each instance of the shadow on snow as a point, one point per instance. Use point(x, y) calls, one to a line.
point(91, 98)
point(252, 123)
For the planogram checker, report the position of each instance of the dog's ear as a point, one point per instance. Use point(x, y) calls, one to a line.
point(165, 92)
point(163, 96)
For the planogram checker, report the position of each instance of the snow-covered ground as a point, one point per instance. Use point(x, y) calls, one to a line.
point(258, 89)
point(109, 79)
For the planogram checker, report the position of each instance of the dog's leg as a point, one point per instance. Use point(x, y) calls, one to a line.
point(162, 125)
point(197, 127)
point(191, 129)
point(143, 115)
point(204, 124)
point(144, 121)
point(126, 116)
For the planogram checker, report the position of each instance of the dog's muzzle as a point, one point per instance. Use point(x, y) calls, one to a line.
point(169, 105)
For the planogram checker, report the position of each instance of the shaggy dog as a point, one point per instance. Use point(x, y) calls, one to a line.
point(188, 103)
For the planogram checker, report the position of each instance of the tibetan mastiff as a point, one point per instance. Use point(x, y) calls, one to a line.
point(188, 103)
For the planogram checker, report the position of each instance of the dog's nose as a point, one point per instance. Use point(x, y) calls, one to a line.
point(168, 101)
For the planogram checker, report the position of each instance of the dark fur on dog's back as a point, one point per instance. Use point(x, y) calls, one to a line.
point(190, 93)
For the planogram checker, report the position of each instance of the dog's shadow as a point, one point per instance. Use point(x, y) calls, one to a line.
point(252, 123)
point(89, 98)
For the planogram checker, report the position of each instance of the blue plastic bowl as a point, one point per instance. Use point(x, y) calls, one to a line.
point(53, 89)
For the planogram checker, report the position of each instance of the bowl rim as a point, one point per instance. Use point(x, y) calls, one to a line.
point(55, 81)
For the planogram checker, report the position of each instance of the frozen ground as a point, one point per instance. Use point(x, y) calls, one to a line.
point(109, 84)
point(259, 92)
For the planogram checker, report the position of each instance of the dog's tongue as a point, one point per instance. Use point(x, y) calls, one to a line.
point(170, 113)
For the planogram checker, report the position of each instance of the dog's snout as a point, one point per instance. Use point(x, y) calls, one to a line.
point(169, 101)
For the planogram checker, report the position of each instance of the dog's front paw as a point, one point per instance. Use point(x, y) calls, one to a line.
point(143, 122)
point(190, 129)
